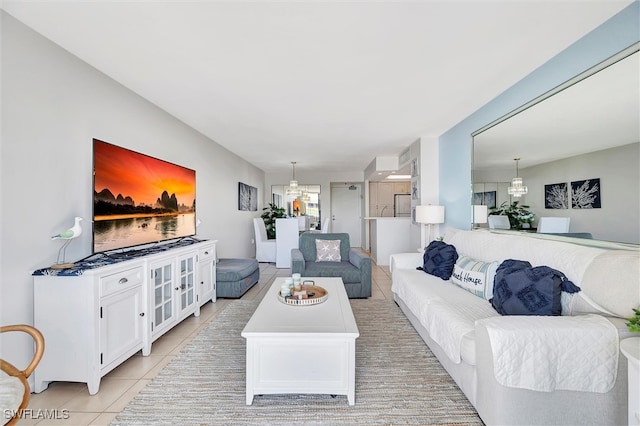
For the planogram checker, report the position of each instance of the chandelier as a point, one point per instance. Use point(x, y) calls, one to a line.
point(293, 190)
point(517, 189)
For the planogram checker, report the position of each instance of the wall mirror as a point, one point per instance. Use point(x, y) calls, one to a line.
point(579, 150)
point(306, 205)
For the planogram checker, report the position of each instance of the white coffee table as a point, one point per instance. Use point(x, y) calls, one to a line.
point(302, 349)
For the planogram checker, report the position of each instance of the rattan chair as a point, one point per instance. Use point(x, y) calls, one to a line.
point(10, 371)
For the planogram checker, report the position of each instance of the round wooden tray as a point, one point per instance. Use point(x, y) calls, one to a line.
point(320, 295)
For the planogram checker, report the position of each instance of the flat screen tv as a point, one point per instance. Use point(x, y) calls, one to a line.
point(139, 199)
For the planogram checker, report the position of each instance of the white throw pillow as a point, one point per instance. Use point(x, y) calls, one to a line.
point(475, 276)
point(328, 251)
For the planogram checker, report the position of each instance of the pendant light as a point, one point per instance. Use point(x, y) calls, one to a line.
point(305, 195)
point(517, 189)
point(293, 190)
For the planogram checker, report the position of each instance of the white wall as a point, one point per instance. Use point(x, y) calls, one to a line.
point(617, 169)
point(303, 177)
point(324, 179)
point(619, 175)
point(430, 178)
point(53, 105)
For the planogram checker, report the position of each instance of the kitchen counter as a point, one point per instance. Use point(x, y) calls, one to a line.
point(389, 235)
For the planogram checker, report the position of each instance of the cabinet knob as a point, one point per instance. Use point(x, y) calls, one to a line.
point(141, 314)
point(206, 252)
point(123, 280)
point(177, 288)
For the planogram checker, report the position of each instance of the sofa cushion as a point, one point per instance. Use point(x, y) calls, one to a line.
point(520, 289)
point(344, 270)
point(475, 276)
point(439, 259)
point(11, 393)
point(572, 259)
point(612, 281)
point(446, 312)
point(581, 304)
point(328, 251)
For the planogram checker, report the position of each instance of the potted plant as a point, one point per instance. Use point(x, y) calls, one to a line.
point(634, 322)
point(519, 215)
point(269, 216)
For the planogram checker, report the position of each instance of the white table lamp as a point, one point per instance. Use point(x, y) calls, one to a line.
point(429, 215)
point(480, 214)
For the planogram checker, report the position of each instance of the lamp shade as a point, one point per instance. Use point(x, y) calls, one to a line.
point(430, 214)
point(480, 214)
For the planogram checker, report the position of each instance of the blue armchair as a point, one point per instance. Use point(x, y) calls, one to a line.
point(354, 268)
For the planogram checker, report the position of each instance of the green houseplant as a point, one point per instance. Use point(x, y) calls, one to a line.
point(269, 216)
point(634, 322)
point(518, 214)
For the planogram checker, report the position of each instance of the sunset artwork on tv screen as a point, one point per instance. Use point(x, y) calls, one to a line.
point(139, 199)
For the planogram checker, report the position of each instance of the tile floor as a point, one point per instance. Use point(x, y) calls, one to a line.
point(72, 400)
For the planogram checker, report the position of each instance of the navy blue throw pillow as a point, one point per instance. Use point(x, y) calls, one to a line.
point(520, 289)
point(439, 259)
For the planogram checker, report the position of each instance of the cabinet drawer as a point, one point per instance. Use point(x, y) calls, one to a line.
point(120, 281)
point(204, 254)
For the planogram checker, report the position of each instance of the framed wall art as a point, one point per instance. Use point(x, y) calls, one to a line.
point(585, 194)
point(556, 196)
point(247, 197)
point(277, 199)
point(415, 189)
point(415, 171)
point(487, 198)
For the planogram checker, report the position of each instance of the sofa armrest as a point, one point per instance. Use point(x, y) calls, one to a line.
point(362, 261)
point(356, 258)
point(405, 261)
point(297, 262)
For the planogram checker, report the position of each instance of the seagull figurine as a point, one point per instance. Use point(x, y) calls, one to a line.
point(68, 235)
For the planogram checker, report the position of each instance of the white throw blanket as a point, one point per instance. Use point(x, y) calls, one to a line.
point(578, 353)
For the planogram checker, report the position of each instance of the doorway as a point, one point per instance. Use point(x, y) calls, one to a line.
point(346, 211)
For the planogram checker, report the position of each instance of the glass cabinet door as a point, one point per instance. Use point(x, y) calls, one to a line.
point(187, 282)
point(162, 279)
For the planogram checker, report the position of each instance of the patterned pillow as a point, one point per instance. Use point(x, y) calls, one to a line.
point(328, 251)
point(475, 276)
point(439, 258)
point(520, 289)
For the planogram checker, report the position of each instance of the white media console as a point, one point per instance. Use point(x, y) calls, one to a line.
point(105, 309)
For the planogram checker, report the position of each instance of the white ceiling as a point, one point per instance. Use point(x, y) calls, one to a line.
point(328, 84)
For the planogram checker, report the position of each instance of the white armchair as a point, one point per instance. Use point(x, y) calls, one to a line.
point(553, 225)
point(499, 222)
point(265, 248)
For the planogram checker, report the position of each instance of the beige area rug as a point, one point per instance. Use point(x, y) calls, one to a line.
point(398, 380)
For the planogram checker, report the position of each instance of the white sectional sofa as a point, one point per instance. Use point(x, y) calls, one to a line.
point(529, 369)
